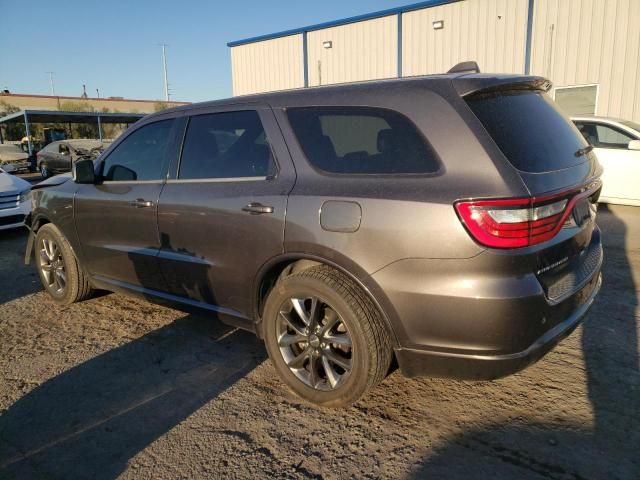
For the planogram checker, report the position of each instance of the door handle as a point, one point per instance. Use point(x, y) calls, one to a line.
point(141, 203)
point(257, 208)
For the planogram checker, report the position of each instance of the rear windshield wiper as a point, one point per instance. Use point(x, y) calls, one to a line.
point(583, 151)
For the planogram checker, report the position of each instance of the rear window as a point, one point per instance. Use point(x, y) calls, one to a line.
point(530, 130)
point(361, 140)
point(226, 145)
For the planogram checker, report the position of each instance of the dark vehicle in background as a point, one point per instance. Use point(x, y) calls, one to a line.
point(445, 221)
point(58, 156)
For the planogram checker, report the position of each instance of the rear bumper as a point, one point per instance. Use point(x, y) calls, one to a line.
point(416, 362)
point(487, 316)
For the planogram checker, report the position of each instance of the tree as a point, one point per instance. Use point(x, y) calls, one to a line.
point(76, 107)
point(81, 130)
point(14, 131)
point(159, 106)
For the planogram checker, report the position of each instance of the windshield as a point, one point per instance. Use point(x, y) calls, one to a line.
point(530, 130)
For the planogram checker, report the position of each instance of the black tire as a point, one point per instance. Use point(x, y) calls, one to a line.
point(54, 255)
point(44, 171)
point(370, 351)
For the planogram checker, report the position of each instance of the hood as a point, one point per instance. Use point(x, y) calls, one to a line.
point(11, 155)
point(10, 183)
point(53, 181)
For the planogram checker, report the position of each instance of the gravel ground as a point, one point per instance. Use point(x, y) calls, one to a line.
point(118, 387)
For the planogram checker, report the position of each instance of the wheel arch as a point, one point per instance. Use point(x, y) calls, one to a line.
point(294, 262)
point(38, 220)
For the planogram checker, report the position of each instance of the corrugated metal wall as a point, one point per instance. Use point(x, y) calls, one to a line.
point(492, 32)
point(577, 42)
point(360, 51)
point(573, 42)
point(275, 64)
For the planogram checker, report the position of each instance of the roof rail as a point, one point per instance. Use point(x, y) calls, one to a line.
point(465, 67)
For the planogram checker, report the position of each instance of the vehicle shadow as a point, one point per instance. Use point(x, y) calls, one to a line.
point(88, 422)
point(610, 344)
point(610, 449)
point(16, 278)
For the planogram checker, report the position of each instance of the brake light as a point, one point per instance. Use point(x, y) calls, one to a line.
point(517, 222)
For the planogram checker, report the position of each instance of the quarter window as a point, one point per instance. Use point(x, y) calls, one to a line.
point(141, 156)
point(226, 145)
point(361, 140)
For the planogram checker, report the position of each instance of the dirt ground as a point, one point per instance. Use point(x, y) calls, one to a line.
point(117, 387)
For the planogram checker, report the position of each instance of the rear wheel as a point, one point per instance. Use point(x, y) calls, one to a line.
point(325, 337)
point(60, 274)
point(44, 171)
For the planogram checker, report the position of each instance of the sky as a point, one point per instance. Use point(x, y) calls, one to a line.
point(114, 45)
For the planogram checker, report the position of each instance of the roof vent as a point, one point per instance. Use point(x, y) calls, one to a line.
point(465, 67)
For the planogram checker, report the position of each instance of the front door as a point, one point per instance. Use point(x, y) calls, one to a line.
point(61, 158)
point(116, 219)
point(221, 216)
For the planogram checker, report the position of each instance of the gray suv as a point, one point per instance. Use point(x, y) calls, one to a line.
point(443, 224)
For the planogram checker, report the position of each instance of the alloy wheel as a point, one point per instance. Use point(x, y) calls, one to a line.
point(314, 342)
point(52, 265)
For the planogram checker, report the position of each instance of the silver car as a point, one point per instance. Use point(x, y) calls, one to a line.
point(13, 158)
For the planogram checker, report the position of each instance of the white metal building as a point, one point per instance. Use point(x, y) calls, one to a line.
point(590, 49)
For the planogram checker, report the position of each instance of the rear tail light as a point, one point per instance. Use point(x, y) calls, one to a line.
point(518, 222)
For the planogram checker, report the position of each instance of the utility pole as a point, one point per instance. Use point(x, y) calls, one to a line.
point(53, 89)
point(98, 92)
point(164, 65)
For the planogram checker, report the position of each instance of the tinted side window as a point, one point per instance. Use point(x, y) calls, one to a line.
point(530, 130)
point(361, 140)
point(226, 145)
point(140, 156)
point(609, 137)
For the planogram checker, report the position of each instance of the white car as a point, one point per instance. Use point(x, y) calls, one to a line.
point(15, 200)
point(13, 158)
point(617, 146)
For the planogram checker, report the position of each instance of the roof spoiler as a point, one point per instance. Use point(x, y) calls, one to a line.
point(465, 67)
point(474, 86)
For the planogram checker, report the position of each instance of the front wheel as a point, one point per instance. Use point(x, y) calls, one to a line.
point(59, 271)
point(325, 337)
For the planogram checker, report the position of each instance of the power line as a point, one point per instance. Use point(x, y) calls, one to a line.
point(53, 88)
point(164, 67)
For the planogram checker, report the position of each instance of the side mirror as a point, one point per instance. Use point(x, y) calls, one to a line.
point(634, 145)
point(83, 171)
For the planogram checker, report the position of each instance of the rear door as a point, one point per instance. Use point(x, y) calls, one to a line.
point(621, 175)
point(221, 215)
point(45, 156)
point(116, 220)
